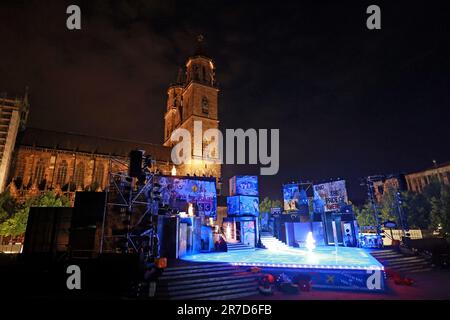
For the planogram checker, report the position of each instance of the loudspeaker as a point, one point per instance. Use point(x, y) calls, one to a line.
point(87, 215)
point(82, 240)
point(47, 230)
point(348, 234)
point(88, 209)
point(135, 168)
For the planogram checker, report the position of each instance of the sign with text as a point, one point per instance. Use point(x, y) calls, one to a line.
point(333, 195)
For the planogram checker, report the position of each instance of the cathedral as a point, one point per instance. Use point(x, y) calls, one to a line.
point(68, 162)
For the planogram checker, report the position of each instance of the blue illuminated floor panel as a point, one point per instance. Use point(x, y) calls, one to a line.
point(321, 258)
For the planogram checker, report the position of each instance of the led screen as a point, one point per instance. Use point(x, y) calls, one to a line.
point(291, 197)
point(244, 186)
point(177, 192)
point(243, 205)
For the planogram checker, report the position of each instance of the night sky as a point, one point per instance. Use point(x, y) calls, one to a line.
point(348, 101)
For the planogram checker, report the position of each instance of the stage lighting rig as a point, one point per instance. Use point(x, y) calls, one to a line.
point(369, 182)
point(131, 188)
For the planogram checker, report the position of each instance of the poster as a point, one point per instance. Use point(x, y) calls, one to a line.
point(331, 196)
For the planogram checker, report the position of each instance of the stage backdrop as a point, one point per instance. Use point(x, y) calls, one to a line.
point(291, 197)
point(330, 196)
point(177, 192)
point(244, 186)
point(243, 206)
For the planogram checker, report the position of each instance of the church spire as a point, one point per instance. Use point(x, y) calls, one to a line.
point(200, 46)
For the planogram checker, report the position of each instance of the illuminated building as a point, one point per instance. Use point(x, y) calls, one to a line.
point(194, 97)
point(67, 162)
point(416, 181)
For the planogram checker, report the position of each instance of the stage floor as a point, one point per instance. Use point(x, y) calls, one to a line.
point(321, 258)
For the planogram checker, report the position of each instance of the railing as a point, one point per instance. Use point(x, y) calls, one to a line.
point(11, 248)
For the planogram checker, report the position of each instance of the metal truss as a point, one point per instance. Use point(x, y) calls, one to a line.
point(133, 196)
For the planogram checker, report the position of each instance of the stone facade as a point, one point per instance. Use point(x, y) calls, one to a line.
point(194, 97)
point(385, 186)
point(67, 162)
point(418, 180)
point(48, 160)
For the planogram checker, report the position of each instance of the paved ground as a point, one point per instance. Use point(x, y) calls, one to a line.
point(433, 285)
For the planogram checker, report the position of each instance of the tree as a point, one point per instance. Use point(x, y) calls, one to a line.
point(7, 205)
point(417, 209)
point(440, 211)
point(365, 215)
point(267, 204)
point(388, 206)
point(16, 223)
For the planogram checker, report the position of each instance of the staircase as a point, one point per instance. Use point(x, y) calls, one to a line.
point(237, 246)
point(272, 243)
point(402, 263)
point(218, 281)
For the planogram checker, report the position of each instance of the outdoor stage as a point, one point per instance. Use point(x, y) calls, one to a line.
point(350, 268)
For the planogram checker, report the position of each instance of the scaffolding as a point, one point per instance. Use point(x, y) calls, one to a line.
point(130, 211)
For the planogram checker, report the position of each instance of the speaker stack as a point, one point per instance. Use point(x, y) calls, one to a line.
point(86, 223)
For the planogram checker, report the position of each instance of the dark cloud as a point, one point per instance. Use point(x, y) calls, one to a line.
point(349, 102)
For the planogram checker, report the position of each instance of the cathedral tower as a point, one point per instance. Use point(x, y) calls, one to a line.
point(194, 97)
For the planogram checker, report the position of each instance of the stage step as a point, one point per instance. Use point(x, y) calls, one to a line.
point(208, 281)
point(216, 281)
point(407, 263)
point(402, 263)
point(197, 273)
point(272, 243)
point(174, 283)
point(196, 266)
point(239, 285)
point(239, 247)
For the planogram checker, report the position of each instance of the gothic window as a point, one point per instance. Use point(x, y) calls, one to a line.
point(40, 171)
point(79, 175)
point(205, 106)
point(61, 174)
point(21, 171)
point(99, 173)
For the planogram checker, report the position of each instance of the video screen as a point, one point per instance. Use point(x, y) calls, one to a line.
point(243, 205)
point(291, 197)
point(178, 192)
point(244, 186)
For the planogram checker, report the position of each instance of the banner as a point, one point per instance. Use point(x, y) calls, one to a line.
point(330, 195)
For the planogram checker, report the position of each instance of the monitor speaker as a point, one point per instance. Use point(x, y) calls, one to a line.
point(347, 234)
